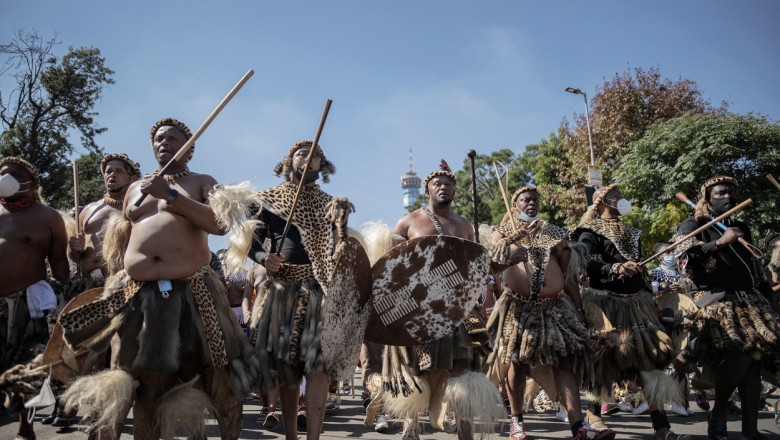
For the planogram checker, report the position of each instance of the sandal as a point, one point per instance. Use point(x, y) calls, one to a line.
point(270, 420)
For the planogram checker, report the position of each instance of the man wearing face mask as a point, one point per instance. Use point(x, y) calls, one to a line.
point(617, 285)
point(286, 327)
point(541, 302)
point(737, 334)
point(31, 234)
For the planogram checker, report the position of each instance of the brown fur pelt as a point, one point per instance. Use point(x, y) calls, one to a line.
point(102, 396)
point(182, 410)
point(472, 397)
point(23, 380)
point(115, 243)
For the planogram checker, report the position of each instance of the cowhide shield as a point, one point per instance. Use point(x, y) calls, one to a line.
point(423, 288)
point(345, 310)
point(67, 364)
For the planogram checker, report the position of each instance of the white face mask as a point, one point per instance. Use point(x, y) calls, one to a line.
point(8, 185)
point(527, 218)
point(623, 206)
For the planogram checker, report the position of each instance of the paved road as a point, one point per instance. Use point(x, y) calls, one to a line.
point(347, 422)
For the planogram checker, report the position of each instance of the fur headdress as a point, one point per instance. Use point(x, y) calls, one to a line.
point(170, 122)
point(30, 169)
point(702, 206)
point(285, 168)
point(522, 190)
point(598, 197)
point(136, 167)
point(444, 171)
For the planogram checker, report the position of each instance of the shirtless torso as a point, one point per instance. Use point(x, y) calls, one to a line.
point(27, 238)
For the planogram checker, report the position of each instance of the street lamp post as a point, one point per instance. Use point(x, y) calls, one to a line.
point(587, 120)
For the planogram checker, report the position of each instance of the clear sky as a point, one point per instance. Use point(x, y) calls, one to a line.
point(439, 77)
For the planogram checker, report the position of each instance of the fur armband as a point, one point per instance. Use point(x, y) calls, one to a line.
point(502, 249)
point(615, 268)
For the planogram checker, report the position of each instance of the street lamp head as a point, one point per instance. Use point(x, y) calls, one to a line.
point(575, 91)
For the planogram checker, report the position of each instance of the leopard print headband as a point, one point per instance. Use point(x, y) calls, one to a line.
point(124, 158)
point(27, 165)
point(522, 190)
point(716, 181)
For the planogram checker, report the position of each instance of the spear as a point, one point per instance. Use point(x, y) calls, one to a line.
point(472, 154)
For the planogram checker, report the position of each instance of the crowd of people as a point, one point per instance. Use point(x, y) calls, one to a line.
point(136, 312)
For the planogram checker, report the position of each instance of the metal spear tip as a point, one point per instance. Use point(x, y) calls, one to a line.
point(471, 153)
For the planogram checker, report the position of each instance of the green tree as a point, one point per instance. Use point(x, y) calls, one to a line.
point(42, 100)
point(679, 154)
point(621, 111)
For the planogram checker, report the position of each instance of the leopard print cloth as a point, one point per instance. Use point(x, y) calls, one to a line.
point(310, 219)
point(299, 273)
point(624, 237)
point(539, 239)
point(121, 289)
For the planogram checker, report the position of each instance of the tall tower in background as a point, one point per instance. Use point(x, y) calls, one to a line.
point(411, 185)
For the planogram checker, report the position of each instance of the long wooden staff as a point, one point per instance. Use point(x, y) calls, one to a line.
point(76, 211)
point(774, 182)
point(503, 194)
point(752, 249)
point(698, 230)
point(472, 154)
point(187, 145)
point(303, 174)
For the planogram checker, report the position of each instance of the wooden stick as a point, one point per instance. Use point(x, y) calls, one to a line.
point(187, 145)
point(503, 194)
point(303, 174)
point(698, 230)
point(472, 154)
point(76, 213)
point(752, 249)
point(774, 182)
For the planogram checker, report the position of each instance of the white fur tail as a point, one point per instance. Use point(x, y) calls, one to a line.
point(104, 397)
point(473, 397)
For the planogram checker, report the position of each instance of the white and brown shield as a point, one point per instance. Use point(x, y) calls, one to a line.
point(345, 309)
point(423, 288)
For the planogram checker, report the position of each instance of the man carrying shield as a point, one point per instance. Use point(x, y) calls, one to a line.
point(442, 365)
point(541, 322)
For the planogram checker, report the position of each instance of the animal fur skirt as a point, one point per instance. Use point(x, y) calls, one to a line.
point(287, 330)
point(742, 321)
point(637, 343)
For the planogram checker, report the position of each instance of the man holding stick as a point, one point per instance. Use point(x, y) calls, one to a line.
point(180, 341)
point(444, 364)
point(617, 286)
point(541, 307)
point(736, 332)
point(287, 325)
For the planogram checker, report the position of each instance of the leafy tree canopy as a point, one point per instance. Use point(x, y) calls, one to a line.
point(42, 100)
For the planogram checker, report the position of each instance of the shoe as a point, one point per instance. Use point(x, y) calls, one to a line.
point(301, 420)
point(702, 401)
point(61, 422)
point(624, 406)
point(734, 408)
point(562, 416)
point(716, 429)
point(270, 421)
point(516, 429)
point(333, 402)
point(381, 423)
point(588, 433)
point(641, 409)
point(777, 413)
point(346, 388)
point(49, 419)
point(679, 409)
point(610, 409)
point(366, 397)
point(671, 435)
point(411, 430)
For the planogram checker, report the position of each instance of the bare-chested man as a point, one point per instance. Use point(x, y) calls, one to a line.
point(450, 356)
point(119, 171)
point(30, 234)
point(176, 324)
point(541, 304)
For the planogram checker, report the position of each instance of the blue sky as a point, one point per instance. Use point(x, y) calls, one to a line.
point(439, 77)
